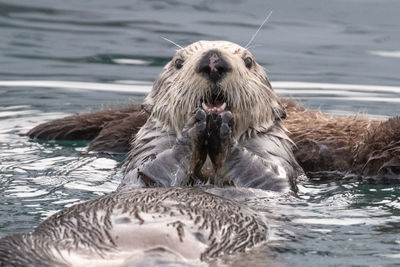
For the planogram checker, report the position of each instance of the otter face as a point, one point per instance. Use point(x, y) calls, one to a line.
point(217, 76)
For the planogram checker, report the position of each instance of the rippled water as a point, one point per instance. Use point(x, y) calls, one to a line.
point(64, 57)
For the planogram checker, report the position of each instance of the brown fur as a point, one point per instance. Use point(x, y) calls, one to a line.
point(323, 142)
point(109, 130)
point(379, 152)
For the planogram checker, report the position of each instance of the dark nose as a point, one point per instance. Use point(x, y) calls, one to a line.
point(213, 65)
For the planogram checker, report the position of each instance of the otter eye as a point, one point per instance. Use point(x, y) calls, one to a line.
point(178, 63)
point(248, 62)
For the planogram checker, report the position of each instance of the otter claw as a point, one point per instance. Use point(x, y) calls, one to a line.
point(220, 137)
point(200, 114)
point(201, 128)
point(227, 117)
point(224, 131)
point(225, 122)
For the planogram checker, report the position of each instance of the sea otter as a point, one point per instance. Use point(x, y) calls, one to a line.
point(205, 75)
point(214, 117)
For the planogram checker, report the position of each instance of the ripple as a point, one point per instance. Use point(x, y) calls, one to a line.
point(393, 256)
point(332, 221)
point(139, 87)
point(130, 61)
point(90, 187)
point(393, 54)
point(336, 86)
point(23, 191)
point(352, 91)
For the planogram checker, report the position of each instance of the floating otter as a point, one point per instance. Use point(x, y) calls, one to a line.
point(214, 117)
point(133, 227)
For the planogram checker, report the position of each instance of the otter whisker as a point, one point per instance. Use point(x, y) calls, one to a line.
point(219, 94)
point(172, 42)
point(255, 45)
point(259, 28)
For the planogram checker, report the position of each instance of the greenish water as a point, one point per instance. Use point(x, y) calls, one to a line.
point(64, 57)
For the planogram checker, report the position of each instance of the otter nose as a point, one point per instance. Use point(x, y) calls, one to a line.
point(213, 65)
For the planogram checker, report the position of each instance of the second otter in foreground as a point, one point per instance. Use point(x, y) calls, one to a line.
point(140, 227)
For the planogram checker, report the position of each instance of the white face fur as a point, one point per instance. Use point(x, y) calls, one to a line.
point(180, 89)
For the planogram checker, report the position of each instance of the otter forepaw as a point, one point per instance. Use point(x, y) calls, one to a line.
point(191, 144)
point(201, 124)
point(220, 137)
point(197, 129)
point(225, 122)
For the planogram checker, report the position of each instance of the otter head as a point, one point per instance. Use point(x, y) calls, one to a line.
point(217, 76)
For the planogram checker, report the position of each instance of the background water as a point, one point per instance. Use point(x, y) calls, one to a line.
point(63, 57)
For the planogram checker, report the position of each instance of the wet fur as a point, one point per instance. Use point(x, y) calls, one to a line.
point(120, 228)
point(357, 145)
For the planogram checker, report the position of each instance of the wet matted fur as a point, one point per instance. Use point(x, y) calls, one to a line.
point(123, 229)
